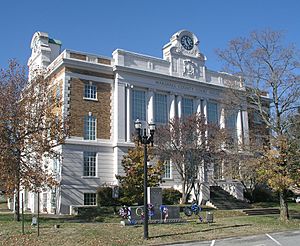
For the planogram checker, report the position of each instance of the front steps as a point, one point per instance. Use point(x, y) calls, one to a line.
point(261, 211)
point(221, 199)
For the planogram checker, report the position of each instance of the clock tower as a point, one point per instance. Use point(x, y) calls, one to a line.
point(183, 53)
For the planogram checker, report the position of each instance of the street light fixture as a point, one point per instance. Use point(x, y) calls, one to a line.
point(145, 140)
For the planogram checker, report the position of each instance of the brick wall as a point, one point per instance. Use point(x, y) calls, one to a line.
point(80, 107)
point(55, 82)
point(57, 103)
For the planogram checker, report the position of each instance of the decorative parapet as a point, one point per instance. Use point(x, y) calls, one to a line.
point(79, 56)
point(189, 70)
point(141, 62)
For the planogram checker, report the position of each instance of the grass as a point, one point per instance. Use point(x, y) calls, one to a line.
point(227, 224)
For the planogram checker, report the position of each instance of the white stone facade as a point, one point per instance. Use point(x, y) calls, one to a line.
point(180, 75)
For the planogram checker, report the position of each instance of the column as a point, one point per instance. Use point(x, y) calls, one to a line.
point(208, 167)
point(198, 105)
point(204, 108)
point(245, 127)
point(179, 106)
point(150, 107)
point(128, 112)
point(239, 127)
point(115, 125)
point(222, 117)
point(120, 113)
point(172, 110)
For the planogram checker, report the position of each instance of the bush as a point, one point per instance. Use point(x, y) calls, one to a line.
point(95, 213)
point(170, 196)
point(105, 198)
point(264, 194)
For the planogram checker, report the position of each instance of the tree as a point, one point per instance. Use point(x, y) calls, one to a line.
point(132, 183)
point(31, 127)
point(269, 70)
point(293, 136)
point(190, 143)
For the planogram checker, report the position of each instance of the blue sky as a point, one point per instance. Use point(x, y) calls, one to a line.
point(141, 26)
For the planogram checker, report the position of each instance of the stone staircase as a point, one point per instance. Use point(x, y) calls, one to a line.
point(221, 199)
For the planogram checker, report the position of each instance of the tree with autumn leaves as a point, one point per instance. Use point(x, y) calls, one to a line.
point(31, 128)
point(270, 71)
point(132, 183)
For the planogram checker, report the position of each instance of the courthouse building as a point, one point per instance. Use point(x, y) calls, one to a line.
point(103, 96)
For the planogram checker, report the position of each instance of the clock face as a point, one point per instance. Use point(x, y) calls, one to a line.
point(187, 42)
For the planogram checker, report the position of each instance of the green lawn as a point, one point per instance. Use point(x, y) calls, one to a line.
point(227, 224)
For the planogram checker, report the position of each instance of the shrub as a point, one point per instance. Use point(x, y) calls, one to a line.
point(170, 196)
point(262, 193)
point(95, 213)
point(105, 198)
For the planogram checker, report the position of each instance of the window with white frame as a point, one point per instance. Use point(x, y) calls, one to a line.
point(212, 112)
point(89, 127)
point(138, 105)
point(160, 108)
point(167, 170)
point(90, 199)
point(89, 164)
point(55, 166)
point(90, 91)
point(53, 198)
point(187, 106)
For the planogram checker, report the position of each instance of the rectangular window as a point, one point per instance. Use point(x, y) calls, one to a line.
point(187, 106)
point(53, 198)
point(138, 105)
point(212, 112)
point(90, 127)
point(230, 125)
point(230, 122)
point(257, 119)
point(57, 94)
point(160, 107)
point(167, 170)
point(55, 166)
point(90, 91)
point(89, 164)
point(90, 199)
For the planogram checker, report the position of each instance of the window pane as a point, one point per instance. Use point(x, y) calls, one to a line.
point(57, 93)
point(160, 104)
point(90, 199)
point(89, 164)
point(167, 170)
point(257, 119)
point(90, 91)
point(212, 113)
point(138, 105)
point(231, 120)
point(187, 106)
point(90, 127)
point(230, 125)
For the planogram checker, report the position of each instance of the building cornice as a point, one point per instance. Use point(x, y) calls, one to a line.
point(155, 75)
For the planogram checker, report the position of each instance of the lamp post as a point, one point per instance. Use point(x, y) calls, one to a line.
point(145, 139)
